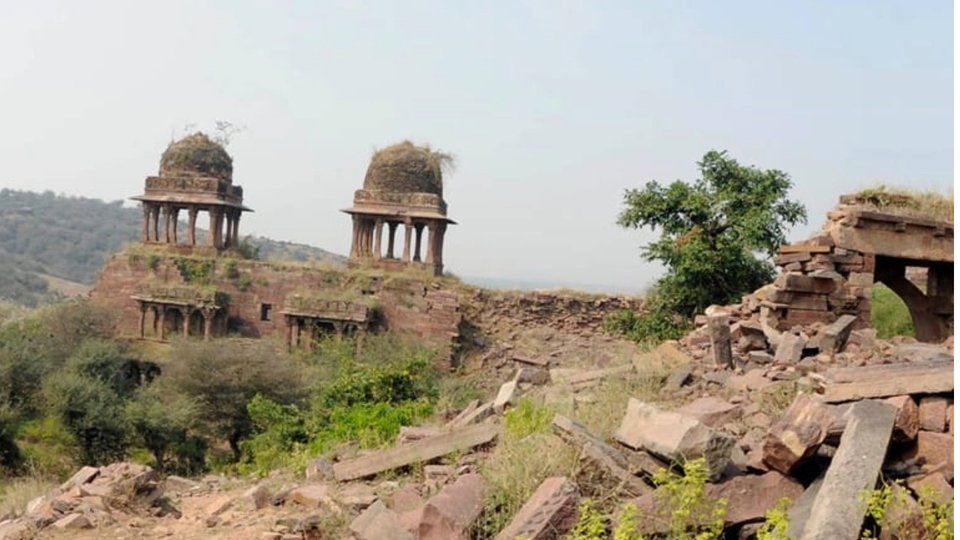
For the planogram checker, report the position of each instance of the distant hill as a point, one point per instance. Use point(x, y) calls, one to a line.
point(51, 245)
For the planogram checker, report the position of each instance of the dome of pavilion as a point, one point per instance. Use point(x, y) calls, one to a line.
point(407, 168)
point(196, 155)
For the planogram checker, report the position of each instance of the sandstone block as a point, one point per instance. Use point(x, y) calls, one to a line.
point(834, 337)
point(448, 514)
point(611, 465)
point(933, 450)
point(907, 421)
point(179, 484)
point(507, 396)
point(73, 521)
point(312, 496)
point(790, 349)
point(860, 279)
point(933, 413)
point(932, 485)
point(673, 436)
point(218, 505)
point(548, 514)
point(837, 513)
point(378, 522)
point(712, 411)
point(750, 496)
point(798, 434)
point(257, 497)
point(84, 475)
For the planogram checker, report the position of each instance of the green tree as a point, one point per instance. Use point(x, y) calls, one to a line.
point(161, 419)
point(711, 231)
point(224, 376)
point(92, 411)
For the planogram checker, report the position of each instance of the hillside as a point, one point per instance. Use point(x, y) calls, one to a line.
point(52, 244)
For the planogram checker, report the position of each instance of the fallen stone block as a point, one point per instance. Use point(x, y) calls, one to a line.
point(257, 497)
point(179, 484)
point(548, 514)
point(932, 486)
point(712, 411)
point(477, 415)
point(448, 514)
point(761, 358)
point(674, 436)
point(798, 434)
point(837, 512)
point(835, 336)
point(218, 505)
point(422, 451)
point(799, 512)
point(507, 396)
point(609, 462)
point(923, 352)
point(405, 499)
point(312, 496)
point(357, 496)
point(932, 451)
point(880, 381)
point(580, 378)
point(933, 413)
point(378, 522)
point(530, 375)
point(790, 349)
point(73, 521)
point(720, 349)
point(415, 433)
point(750, 496)
point(907, 422)
point(85, 475)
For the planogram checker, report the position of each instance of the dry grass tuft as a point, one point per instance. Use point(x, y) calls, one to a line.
point(908, 202)
point(16, 493)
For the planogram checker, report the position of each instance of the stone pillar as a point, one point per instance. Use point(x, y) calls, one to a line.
point(377, 237)
point(407, 229)
point(236, 227)
point(416, 250)
point(143, 319)
point(174, 222)
point(438, 254)
point(214, 239)
point(192, 233)
point(354, 246)
point(163, 322)
point(289, 323)
point(166, 224)
point(185, 313)
point(228, 228)
point(431, 242)
point(208, 315)
point(391, 238)
point(156, 320)
point(338, 327)
point(145, 232)
point(155, 222)
point(296, 332)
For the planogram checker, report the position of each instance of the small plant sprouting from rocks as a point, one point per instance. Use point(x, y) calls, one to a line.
point(244, 282)
point(153, 261)
point(689, 513)
point(195, 271)
point(628, 523)
point(777, 522)
point(590, 524)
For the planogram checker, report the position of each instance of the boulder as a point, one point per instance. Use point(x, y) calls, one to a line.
point(712, 411)
point(798, 434)
point(448, 514)
point(378, 522)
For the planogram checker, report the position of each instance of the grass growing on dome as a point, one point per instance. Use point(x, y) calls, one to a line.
point(408, 153)
point(197, 154)
point(907, 202)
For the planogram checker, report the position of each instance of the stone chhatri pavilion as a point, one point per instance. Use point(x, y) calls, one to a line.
point(403, 186)
point(196, 174)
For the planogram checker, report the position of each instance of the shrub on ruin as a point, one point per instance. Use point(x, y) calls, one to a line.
point(224, 376)
point(683, 507)
point(710, 231)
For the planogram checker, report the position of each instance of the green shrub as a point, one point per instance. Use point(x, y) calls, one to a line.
point(776, 522)
point(656, 323)
point(196, 271)
point(527, 419)
point(889, 314)
point(153, 261)
point(230, 270)
point(590, 524)
point(244, 282)
point(684, 507)
point(628, 523)
point(48, 447)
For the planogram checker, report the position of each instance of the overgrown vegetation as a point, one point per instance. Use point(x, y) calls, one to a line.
point(904, 201)
point(889, 314)
point(710, 231)
point(889, 509)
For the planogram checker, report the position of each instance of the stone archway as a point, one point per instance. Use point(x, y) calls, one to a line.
point(932, 309)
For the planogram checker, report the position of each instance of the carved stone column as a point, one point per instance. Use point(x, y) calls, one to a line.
point(236, 227)
point(208, 315)
point(192, 217)
point(143, 318)
point(214, 239)
point(185, 313)
point(155, 222)
point(407, 230)
point(377, 237)
point(391, 238)
point(431, 242)
point(174, 222)
point(166, 224)
point(163, 322)
point(145, 233)
point(416, 251)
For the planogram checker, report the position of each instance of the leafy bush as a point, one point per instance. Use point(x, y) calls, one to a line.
point(590, 524)
point(92, 411)
point(654, 324)
point(776, 522)
point(196, 271)
point(889, 314)
point(684, 507)
point(160, 418)
point(48, 447)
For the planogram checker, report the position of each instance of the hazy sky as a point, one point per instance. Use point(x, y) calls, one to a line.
point(552, 108)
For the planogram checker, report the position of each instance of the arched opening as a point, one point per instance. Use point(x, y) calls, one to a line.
point(930, 306)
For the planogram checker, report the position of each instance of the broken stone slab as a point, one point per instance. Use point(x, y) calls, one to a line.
point(448, 514)
point(421, 451)
point(885, 380)
point(760, 358)
point(73, 521)
point(932, 451)
point(257, 497)
point(674, 436)
point(907, 422)
point(378, 522)
point(749, 497)
point(712, 411)
point(933, 413)
point(507, 396)
point(475, 416)
point(219, 505)
point(548, 514)
point(678, 378)
point(531, 360)
point(415, 433)
point(837, 513)
point(534, 376)
point(797, 434)
point(179, 484)
point(835, 336)
point(312, 496)
point(85, 475)
point(923, 352)
point(799, 511)
point(601, 455)
point(720, 348)
point(790, 349)
point(579, 377)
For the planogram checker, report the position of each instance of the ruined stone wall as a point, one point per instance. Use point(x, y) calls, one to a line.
point(408, 304)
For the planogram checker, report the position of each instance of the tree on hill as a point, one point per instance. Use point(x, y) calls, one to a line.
point(711, 231)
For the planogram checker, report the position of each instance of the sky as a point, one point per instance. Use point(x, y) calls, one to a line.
point(552, 108)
